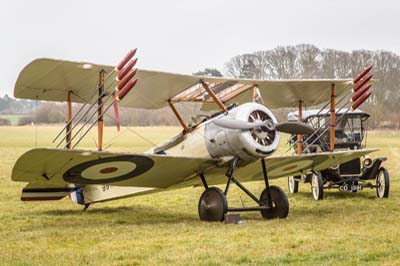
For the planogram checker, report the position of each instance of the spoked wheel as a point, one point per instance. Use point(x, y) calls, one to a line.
point(317, 186)
point(293, 184)
point(280, 203)
point(212, 205)
point(382, 183)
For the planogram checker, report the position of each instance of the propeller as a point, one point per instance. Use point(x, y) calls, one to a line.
point(287, 127)
point(295, 128)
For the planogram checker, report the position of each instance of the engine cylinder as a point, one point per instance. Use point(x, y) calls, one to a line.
point(249, 144)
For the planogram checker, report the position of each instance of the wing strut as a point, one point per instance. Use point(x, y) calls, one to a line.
point(215, 97)
point(299, 136)
point(69, 121)
point(178, 116)
point(125, 83)
point(100, 103)
point(121, 71)
point(333, 118)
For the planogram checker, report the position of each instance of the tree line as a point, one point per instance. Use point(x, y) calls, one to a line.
point(304, 61)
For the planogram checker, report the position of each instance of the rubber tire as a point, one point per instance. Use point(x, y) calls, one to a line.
point(212, 205)
point(355, 183)
point(383, 173)
point(317, 186)
point(280, 203)
point(293, 185)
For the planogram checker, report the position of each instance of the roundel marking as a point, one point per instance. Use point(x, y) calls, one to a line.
point(108, 170)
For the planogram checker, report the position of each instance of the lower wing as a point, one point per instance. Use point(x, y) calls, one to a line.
point(282, 166)
point(54, 173)
point(59, 168)
point(303, 163)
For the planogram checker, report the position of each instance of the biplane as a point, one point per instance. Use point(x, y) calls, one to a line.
point(232, 145)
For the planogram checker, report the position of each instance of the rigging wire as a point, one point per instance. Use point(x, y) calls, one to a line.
point(107, 79)
point(115, 120)
point(36, 122)
point(89, 110)
point(73, 117)
point(84, 100)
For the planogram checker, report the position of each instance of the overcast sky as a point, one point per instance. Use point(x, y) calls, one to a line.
point(184, 36)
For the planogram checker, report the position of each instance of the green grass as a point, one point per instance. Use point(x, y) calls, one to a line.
point(163, 228)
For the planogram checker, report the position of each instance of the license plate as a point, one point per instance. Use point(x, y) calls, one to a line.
point(350, 188)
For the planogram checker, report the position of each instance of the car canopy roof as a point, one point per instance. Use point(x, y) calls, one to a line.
point(293, 116)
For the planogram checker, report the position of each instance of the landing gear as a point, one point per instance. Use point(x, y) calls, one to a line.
point(213, 204)
point(317, 186)
point(382, 183)
point(280, 203)
point(87, 205)
point(293, 184)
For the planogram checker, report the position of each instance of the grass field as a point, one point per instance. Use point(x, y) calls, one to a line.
point(12, 118)
point(163, 228)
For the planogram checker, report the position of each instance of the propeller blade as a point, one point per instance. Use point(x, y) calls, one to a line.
point(287, 127)
point(237, 124)
point(294, 128)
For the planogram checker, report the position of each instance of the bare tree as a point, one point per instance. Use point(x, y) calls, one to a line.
point(307, 61)
point(335, 64)
point(282, 63)
point(234, 67)
point(309, 58)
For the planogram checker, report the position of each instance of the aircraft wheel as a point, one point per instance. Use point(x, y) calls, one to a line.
point(293, 184)
point(280, 203)
point(317, 186)
point(212, 205)
point(382, 183)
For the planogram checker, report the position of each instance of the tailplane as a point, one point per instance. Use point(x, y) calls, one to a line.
point(40, 192)
point(81, 195)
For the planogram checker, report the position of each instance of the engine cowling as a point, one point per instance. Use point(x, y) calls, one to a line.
point(248, 145)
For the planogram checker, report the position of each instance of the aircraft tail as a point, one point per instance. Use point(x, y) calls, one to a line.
point(80, 195)
point(99, 193)
point(77, 196)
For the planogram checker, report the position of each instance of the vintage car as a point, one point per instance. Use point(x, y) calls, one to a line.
point(350, 134)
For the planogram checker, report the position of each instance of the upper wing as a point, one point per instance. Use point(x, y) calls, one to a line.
point(283, 166)
point(58, 168)
point(51, 80)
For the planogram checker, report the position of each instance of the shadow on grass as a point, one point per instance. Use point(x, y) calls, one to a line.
point(333, 203)
point(140, 214)
point(335, 194)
